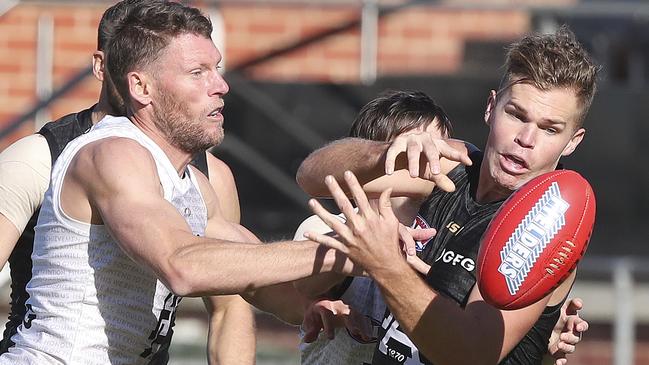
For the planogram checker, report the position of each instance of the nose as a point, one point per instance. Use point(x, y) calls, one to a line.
point(526, 137)
point(218, 85)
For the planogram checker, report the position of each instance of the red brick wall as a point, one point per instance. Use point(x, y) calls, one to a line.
point(75, 32)
point(415, 41)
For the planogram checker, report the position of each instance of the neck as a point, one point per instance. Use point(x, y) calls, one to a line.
point(179, 158)
point(99, 111)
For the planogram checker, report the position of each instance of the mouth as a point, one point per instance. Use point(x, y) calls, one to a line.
point(216, 113)
point(513, 164)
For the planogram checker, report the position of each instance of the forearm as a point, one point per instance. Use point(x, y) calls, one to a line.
point(430, 319)
point(214, 267)
point(365, 158)
point(317, 285)
point(231, 338)
point(281, 300)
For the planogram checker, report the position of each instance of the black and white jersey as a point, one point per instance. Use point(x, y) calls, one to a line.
point(460, 222)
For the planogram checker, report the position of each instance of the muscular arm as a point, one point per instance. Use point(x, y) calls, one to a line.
point(115, 181)
point(476, 334)
point(368, 160)
point(231, 336)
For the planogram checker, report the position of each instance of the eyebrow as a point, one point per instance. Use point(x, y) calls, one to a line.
point(522, 110)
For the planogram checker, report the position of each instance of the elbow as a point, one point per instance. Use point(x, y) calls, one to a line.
point(307, 181)
point(302, 176)
point(178, 279)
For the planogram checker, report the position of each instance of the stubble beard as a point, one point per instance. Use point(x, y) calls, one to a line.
point(181, 129)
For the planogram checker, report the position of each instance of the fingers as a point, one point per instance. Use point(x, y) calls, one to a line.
point(385, 205)
point(422, 234)
point(329, 219)
point(566, 348)
point(358, 194)
point(417, 264)
point(445, 150)
point(432, 156)
point(393, 151)
point(326, 315)
point(413, 152)
point(328, 241)
point(573, 306)
point(568, 339)
point(581, 327)
point(409, 245)
point(340, 197)
point(443, 182)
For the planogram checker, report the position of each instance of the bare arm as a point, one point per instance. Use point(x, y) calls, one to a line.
point(476, 334)
point(231, 336)
point(116, 179)
point(408, 173)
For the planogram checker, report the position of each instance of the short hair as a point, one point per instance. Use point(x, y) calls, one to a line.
point(396, 112)
point(140, 39)
point(553, 61)
point(111, 19)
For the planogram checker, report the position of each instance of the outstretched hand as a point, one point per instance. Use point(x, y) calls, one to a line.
point(326, 315)
point(567, 332)
point(433, 148)
point(323, 315)
point(369, 238)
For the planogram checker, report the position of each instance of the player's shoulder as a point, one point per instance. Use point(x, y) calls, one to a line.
point(32, 149)
point(218, 168)
point(111, 153)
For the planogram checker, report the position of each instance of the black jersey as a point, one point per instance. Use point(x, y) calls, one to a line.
point(452, 254)
point(58, 134)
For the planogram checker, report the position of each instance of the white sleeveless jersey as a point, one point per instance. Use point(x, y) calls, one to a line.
point(89, 302)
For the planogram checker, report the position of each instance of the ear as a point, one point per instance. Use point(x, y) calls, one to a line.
point(575, 140)
point(98, 65)
point(491, 105)
point(139, 87)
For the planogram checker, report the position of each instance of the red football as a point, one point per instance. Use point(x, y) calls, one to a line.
point(535, 239)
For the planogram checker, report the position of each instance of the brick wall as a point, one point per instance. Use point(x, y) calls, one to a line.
point(74, 40)
point(415, 41)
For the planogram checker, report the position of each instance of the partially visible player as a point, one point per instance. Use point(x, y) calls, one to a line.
point(382, 119)
point(25, 175)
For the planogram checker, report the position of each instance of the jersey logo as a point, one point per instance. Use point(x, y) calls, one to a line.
point(455, 258)
point(420, 223)
point(531, 237)
point(454, 228)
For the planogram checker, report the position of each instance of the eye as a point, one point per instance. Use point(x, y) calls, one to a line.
point(551, 130)
point(197, 73)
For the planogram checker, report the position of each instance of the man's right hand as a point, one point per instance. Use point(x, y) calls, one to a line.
point(433, 149)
